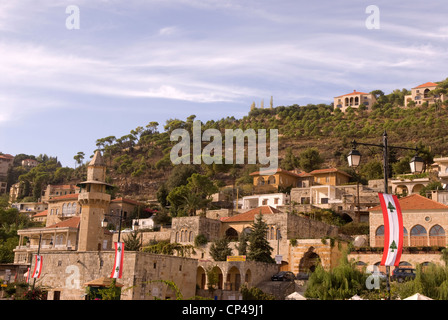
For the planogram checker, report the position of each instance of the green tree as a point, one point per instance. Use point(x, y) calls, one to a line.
point(133, 241)
point(259, 248)
point(242, 244)
point(342, 282)
point(219, 249)
point(310, 159)
point(290, 161)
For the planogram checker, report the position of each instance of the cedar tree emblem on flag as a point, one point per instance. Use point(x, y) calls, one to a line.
point(118, 264)
point(393, 229)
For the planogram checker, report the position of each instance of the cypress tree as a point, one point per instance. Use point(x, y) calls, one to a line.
point(259, 248)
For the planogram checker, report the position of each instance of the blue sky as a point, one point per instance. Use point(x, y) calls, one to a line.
point(133, 62)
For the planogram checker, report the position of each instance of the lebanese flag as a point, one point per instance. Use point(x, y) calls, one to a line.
point(27, 275)
point(118, 264)
point(393, 229)
point(37, 267)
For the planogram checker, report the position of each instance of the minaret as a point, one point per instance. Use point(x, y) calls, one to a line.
point(95, 202)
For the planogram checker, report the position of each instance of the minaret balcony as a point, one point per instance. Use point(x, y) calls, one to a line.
point(93, 197)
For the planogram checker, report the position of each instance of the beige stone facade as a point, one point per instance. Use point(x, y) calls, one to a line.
point(65, 274)
point(422, 94)
point(354, 99)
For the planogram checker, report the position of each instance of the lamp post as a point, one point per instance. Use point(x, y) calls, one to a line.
point(416, 164)
point(105, 222)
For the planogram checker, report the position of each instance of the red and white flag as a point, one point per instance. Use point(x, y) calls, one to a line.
point(393, 229)
point(27, 275)
point(118, 264)
point(37, 267)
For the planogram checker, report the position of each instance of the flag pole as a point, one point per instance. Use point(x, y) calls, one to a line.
point(386, 174)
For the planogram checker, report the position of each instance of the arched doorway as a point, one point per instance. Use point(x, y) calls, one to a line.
point(402, 190)
point(248, 277)
point(309, 261)
point(417, 188)
point(233, 279)
point(201, 278)
point(232, 234)
point(218, 280)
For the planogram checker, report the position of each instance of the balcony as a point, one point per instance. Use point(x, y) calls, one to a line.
point(93, 197)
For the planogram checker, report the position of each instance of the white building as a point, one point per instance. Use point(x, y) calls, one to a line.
point(270, 199)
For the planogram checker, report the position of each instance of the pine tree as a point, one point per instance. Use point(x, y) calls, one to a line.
point(242, 244)
point(219, 250)
point(259, 248)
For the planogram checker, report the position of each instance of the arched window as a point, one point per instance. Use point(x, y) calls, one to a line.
point(271, 180)
point(418, 236)
point(271, 233)
point(437, 236)
point(64, 209)
point(405, 237)
point(191, 237)
point(379, 236)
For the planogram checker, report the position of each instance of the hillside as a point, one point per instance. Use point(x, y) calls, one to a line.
point(139, 163)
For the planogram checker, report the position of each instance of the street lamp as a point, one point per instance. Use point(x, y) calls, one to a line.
point(416, 164)
point(105, 222)
point(354, 158)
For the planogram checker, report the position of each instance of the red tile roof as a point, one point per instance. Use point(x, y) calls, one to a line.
point(427, 84)
point(416, 202)
point(72, 196)
point(6, 156)
point(41, 214)
point(71, 223)
point(329, 170)
point(352, 93)
point(250, 215)
point(271, 172)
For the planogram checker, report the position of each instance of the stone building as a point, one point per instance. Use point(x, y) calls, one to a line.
point(354, 99)
point(422, 93)
point(424, 231)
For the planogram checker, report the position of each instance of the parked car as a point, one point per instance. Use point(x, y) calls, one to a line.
point(283, 276)
point(302, 276)
point(402, 274)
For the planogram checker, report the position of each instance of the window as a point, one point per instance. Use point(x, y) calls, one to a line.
point(418, 236)
point(379, 236)
point(437, 236)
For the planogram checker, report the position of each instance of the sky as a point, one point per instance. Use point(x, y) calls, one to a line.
point(72, 72)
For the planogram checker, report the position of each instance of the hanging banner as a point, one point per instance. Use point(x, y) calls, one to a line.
point(37, 267)
point(118, 264)
point(393, 229)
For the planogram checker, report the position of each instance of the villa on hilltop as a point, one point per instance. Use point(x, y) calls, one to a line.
point(354, 99)
point(422, 94)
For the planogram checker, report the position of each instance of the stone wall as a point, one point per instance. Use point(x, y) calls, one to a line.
point(68, 273)
point(370, 259)
point(297, 227)
point(195, 225)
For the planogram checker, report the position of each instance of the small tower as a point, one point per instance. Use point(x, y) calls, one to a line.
point(95, 202)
